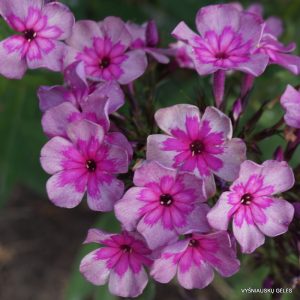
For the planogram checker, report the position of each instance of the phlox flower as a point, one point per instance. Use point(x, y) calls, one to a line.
point(41, 27)
point(103, 47)
point(84, 162)
point(252, 204)
point(183, 54)
point(201, 145)
point(162, 204)
point(227, 41)
point(194, 259)
point(120, 262)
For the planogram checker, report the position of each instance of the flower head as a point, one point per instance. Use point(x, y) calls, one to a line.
point(253, 206)
point(290, 100)
point(104, 49)
point(85, 162)
point(120, 262)
point(38, 45)
point(163, 204)
point(203, 146)
point(228, 40)
point(194, 259)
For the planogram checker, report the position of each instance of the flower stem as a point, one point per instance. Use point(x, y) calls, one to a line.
point(219, 86)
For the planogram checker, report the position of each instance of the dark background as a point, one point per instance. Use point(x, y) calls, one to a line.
point(40, 244)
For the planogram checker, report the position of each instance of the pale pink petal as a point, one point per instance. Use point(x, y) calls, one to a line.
point(175, 117)
point(127, 209)
point(83, 34)
point(279, 215)
point(218, 215)
point(163, 269)
point(12, 65)
point(150, 172)
point(56, 119)
point(217, 121)
point(93, 269)
point(247, 235)
point(60, 16)
point(133, 67)
point(115, 29)
point(51, 96)
point(196, 277)
point(217, 17)
point(156, 235)
point(53, 154)
point(234, 154)
point(66, 189)
point(130, 284)
point(18, 8)
point(102, 195)
point(85, 130)
point(255, 66)
point(279, 175)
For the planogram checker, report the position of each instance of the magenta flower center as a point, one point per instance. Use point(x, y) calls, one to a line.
point(126, 249)
point(193, 243)
point(165, 200)
point(196, 147)
point(29, 35)
point(91, 165)
point(246, 199)
point(104, 63)
point(222, 55)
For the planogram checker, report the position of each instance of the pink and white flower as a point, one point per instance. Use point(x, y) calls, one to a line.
point(228, 40)
point(104, 49)
point(162, 204)
point(146, 37)
point(120, 262)
point(77, 91)
point(252, 204)
point(42, 27)
point(194, 259)
point(290, 100)
point(84, 163)
point(203, 146)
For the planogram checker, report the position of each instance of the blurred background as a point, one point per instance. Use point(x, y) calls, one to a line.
point(40, 244)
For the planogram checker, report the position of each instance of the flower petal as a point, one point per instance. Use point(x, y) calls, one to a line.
point(130, 284)
point(93, 269)
point(127, 209)
point(279, 215)
point(133, 67)
point(51, 96)
point(247, 235)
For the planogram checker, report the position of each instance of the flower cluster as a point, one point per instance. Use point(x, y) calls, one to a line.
point(195, 174)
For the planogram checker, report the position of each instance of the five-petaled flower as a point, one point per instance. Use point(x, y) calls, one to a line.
point(104, 49)
point(163, 204)
point(252, 204)
point(203, 146)
point(120, 262)
point(228, 40)
point(194, 258)
point(85, 162)
point(42, 28)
